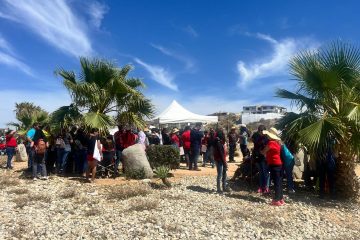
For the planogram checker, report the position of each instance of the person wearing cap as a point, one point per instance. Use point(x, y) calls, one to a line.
point(174, 138)
point(233, 140)
point(260, 141)
point(272, 151)
point(11, 146)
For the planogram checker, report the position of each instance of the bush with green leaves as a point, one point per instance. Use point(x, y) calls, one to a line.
point(163, 155)
point(135, 174)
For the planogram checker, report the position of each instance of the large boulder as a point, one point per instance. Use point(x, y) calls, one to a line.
point(21, 155)
point(135, 162)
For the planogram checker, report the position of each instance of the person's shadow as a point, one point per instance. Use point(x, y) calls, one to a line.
point(238, 195)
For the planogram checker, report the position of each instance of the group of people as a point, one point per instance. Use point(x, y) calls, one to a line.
point(68, 151)
point(74, 151)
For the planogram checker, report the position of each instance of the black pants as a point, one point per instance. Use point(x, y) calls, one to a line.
point(244, 150)
point(232, 148)
point(276, 176)
point(326, 172)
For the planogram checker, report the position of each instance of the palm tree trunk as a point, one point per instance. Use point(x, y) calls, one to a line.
point(346, 182)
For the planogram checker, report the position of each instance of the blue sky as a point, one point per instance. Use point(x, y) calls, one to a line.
point(208, 55)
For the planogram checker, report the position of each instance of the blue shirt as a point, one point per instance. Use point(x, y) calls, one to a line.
point(31, 133)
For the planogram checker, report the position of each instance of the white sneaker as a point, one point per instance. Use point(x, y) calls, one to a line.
point(34, 179)
point(44, 178)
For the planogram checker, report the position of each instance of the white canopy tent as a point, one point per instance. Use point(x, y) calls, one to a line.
point(176, 113)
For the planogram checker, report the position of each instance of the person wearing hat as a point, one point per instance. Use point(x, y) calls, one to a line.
point(272, 152)
point(175, 141)
point(233, 140)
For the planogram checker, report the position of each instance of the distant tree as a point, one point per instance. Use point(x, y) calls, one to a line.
point(27, 114)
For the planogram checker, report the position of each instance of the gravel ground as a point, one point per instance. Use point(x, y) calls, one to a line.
point(68, 208)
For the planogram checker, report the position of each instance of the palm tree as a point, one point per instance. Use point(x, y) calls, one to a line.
point(106, 94)
point(27, 114)
point(328, 99)
point(66, 116)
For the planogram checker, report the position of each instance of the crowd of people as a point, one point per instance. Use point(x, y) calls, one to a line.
point(74, 151)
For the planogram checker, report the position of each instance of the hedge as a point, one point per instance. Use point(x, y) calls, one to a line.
point(163, 155)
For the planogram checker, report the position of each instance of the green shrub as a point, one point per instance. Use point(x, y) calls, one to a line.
point(135, 174)
point(163, 155)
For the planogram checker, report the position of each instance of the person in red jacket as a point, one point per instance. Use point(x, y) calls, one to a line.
point(186, 144)
point(175, 141)
point(272, 153)
point(11, 145)
point(128, 138)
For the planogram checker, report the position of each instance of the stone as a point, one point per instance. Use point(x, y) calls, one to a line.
point(135, 160)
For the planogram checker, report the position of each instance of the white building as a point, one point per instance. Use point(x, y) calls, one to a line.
point(256, 113)
point(263, 109)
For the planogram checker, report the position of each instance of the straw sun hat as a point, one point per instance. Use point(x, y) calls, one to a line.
point(273, 133)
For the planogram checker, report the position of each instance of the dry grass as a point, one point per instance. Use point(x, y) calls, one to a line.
point(142, 204)
point(7, 181)
point(29, 199)
point(3, 160)
point(18, 191)
point(122, 192)
point(70, 193)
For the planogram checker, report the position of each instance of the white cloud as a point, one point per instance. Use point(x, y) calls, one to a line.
point(8, 57)
point(48, 100)
point(54, 21)
point(191, 31)
point(189, 63)
point(276, 63)
point(159, 74)
point(97, 11)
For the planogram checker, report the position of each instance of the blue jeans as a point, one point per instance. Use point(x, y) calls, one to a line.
point(39, 161)
point(64, 159)
point(289, 176)
point(221, 175)
point(264, 178)
point(194, 156)
point(80, 160)
point(10, 151)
